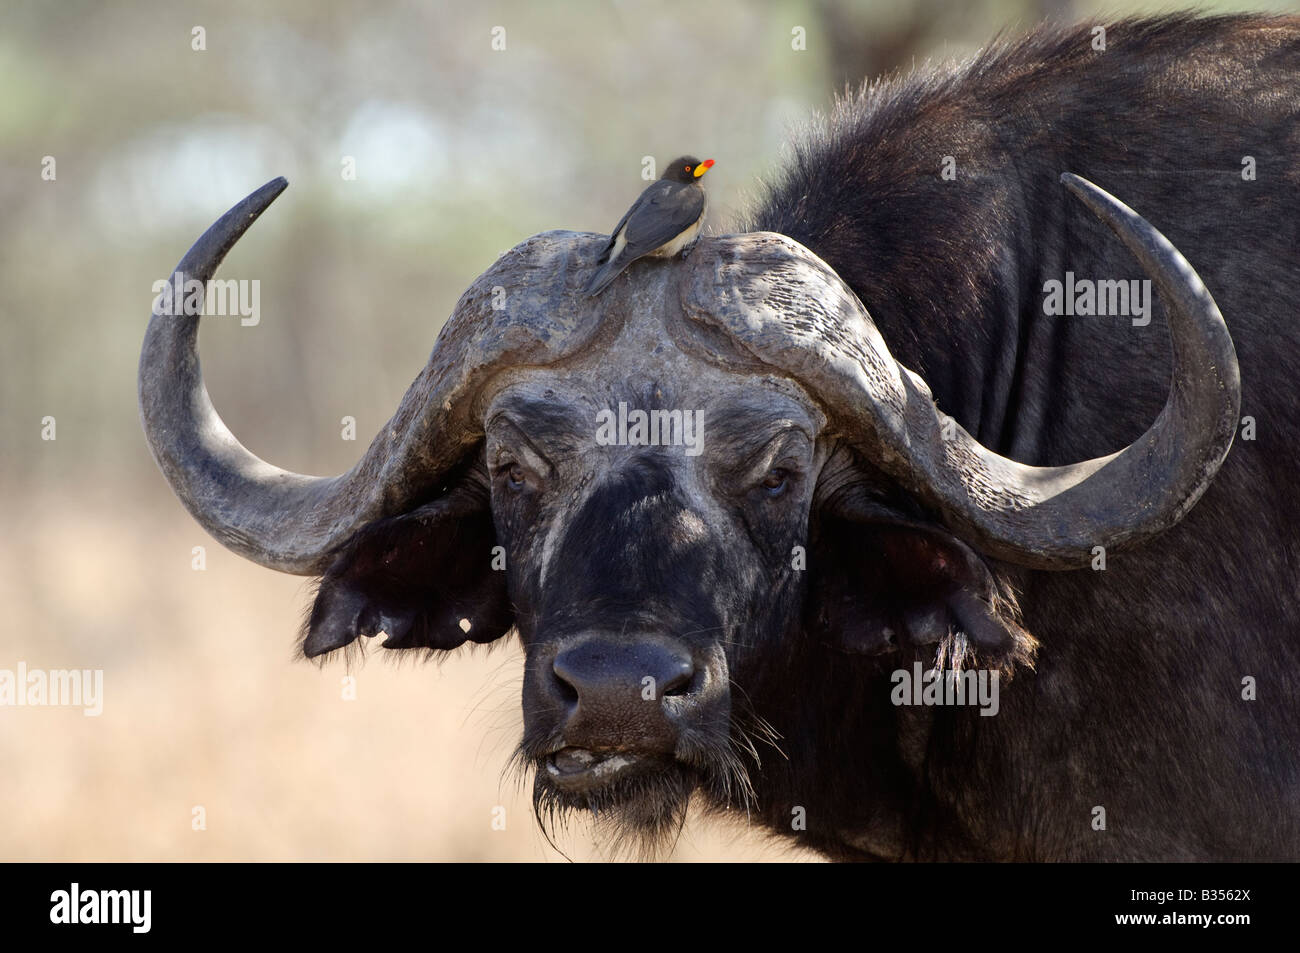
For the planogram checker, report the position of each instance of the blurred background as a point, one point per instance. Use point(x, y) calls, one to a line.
point(125, 130)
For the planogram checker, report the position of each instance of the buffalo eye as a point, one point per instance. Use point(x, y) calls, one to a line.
point(516, 477)
point(776, 481)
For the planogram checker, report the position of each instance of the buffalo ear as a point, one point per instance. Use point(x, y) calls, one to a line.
point(425, 579)
point(881, 582)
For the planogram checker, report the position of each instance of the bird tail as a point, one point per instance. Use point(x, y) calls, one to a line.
point(604, 275)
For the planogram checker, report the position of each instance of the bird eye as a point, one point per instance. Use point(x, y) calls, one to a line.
point(687, 168)
point(776, 481)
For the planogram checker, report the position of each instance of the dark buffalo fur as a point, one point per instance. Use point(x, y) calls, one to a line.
point(1129, 688)
point(1136, 704)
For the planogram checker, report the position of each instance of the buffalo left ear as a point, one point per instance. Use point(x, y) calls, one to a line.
point(880, 582)
point(425, 579)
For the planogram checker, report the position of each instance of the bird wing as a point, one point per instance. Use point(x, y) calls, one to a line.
point(613, 235)
point(661, 214)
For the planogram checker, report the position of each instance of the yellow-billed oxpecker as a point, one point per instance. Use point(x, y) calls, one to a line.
point(665, 220)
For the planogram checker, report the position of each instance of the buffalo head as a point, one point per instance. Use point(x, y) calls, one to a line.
point(673, 489)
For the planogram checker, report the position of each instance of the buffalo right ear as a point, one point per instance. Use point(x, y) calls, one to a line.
point(425, 579)
point(882, 582)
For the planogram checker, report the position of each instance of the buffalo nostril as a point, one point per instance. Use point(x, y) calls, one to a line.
point(600, 672)
point(567, 691)
point(569, 681)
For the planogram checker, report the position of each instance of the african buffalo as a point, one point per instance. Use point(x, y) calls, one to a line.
point(727, 511)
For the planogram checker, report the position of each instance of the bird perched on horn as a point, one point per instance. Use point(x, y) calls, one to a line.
point(662, 222)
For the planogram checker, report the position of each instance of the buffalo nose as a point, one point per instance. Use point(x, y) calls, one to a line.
point(615, 693)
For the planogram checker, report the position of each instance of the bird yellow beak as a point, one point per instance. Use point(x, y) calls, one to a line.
point(703, 167)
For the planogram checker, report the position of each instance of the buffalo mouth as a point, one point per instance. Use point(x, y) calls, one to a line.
point(580, 771)
point(600, 751)
point(637, 800)
point(637, 803)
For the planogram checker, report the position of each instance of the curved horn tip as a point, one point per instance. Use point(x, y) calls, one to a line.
point(261, 198)
point(1094, 196)
point(207, 253)
point(279, 184)
point(1081, 186)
